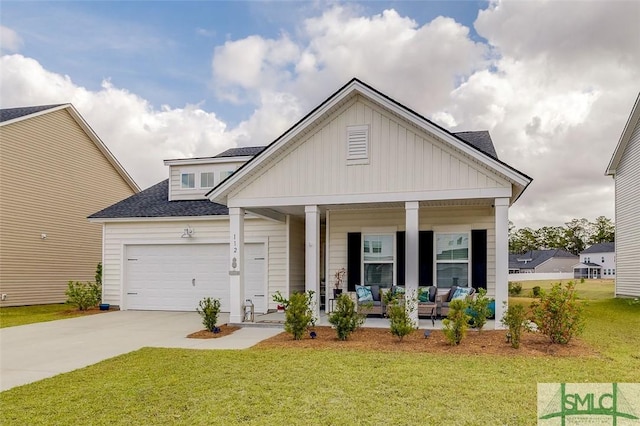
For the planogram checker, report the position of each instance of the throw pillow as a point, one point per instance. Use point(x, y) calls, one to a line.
point(424, 296)
point(375, 293)
point(461, 293)
point(364, 293)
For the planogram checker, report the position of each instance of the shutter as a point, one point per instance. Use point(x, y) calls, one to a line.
point(479, 258)
point(400, 257)
point(354, 259)
point(425, 258)
point(357, 142)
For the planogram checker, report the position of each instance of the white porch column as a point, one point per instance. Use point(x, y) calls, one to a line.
point(236, 264)
point(501, 208)
point(412, 228)
point(312, 254)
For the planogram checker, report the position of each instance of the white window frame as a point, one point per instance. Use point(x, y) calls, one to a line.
point(193, 179)
point(225, 174)
point(209, 174)
point(379, 232)
point(446, 231)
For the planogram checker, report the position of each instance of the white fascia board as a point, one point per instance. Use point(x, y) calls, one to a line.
point(387, 197)
point(632, 122)
point(248, 216)
point(206, 160)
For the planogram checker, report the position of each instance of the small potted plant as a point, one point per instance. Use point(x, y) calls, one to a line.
point(338, 278)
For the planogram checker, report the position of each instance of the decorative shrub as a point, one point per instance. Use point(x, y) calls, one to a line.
point(98, 275)
point(83, 295)
point(457, 322)
point(209, 310)
point(280, 300)
point(515, 288)
point(400, 321)
point(558, 314)
point(515, 318)
point(298, 314)
point(345, 317)
point(535, 291)
point(479, 309)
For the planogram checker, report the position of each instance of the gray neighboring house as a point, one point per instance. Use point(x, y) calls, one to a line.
point(538, 261)
point(625, 169)
point(597, 261)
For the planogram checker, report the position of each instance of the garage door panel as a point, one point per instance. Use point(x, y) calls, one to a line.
point(176, 277)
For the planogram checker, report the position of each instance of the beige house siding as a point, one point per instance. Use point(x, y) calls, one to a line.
point(402, 158)
point(439, 219)
point(558, 264)
point(52, 176)
point(119, 234)
point(627, 193)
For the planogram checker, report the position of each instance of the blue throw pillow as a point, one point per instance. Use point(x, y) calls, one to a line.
point(424, 295)
point(364, 293)
point(461, 293)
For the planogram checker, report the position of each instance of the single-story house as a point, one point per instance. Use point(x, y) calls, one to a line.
point(54, 171)
point(545, 261)
point(597, 261)
point(625, 169)
point(361, 182)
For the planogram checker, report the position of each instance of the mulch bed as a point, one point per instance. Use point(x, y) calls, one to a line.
point(225, 330)
point(76, 312)
point(487, 342)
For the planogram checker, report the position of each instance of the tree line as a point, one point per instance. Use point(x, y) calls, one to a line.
point(574, 236)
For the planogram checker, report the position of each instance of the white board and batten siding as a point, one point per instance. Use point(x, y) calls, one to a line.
point(162, 240)
point(402, 158)
point(627, 193)
point(437, 219)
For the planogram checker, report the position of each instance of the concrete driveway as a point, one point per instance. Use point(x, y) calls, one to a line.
point(36, 351)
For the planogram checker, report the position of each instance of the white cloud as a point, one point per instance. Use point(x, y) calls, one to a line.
point(10, 41)
point(138, 135)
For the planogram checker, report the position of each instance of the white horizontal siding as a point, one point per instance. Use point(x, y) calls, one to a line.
point(344, 221)
point(627, 187)
point(402, 158)
point(197, 193)
point(119, 234)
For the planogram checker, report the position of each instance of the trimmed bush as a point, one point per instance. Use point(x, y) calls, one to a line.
point(515, 288)
point(209, 310)
point(515, 318)
point(457, 322)
point(345, 317)
point(479, 309)
point(535, 291)
point(83, 295)
point(399, 320)
point(298, 316)
point(558, 314)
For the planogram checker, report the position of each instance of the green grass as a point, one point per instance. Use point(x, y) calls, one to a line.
point(590, 289)
point(21, 315)
point(324, 387)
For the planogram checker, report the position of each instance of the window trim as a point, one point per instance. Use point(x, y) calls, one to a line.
point(193, 178)
point(213, 179)
point(453, 230)
point(381, 232)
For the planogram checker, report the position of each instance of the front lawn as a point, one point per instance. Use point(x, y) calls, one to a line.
point(589, 289)
point(328, 387)
point(21, 315)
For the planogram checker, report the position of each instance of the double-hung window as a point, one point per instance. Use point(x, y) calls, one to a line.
point(378, 259)
point(452, 259)
point(206, 179)
point(188, 180)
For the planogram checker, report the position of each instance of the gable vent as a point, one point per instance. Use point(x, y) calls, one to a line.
point(358, 144)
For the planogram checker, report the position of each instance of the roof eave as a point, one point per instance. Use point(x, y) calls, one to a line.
point(632, 121)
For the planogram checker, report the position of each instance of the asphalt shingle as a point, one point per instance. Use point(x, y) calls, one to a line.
point(7, 114)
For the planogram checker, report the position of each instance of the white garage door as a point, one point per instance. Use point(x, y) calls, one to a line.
point(175, 277)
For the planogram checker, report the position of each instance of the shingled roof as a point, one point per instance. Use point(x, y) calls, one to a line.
point(535, 258)
point(244, 151)
point(154, 202)
point(481, 140)
point(7, 114)
point(601, 248)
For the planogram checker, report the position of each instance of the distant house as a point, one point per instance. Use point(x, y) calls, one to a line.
point(625, 169)
point(542, 261)
point(54, 172)
point(598, 261)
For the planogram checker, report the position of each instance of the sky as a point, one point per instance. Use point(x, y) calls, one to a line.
point(552, 81)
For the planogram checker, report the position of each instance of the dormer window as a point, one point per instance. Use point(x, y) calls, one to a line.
point(225, 174)
point(207, 180)
point(358, 144)
point(188, 180)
